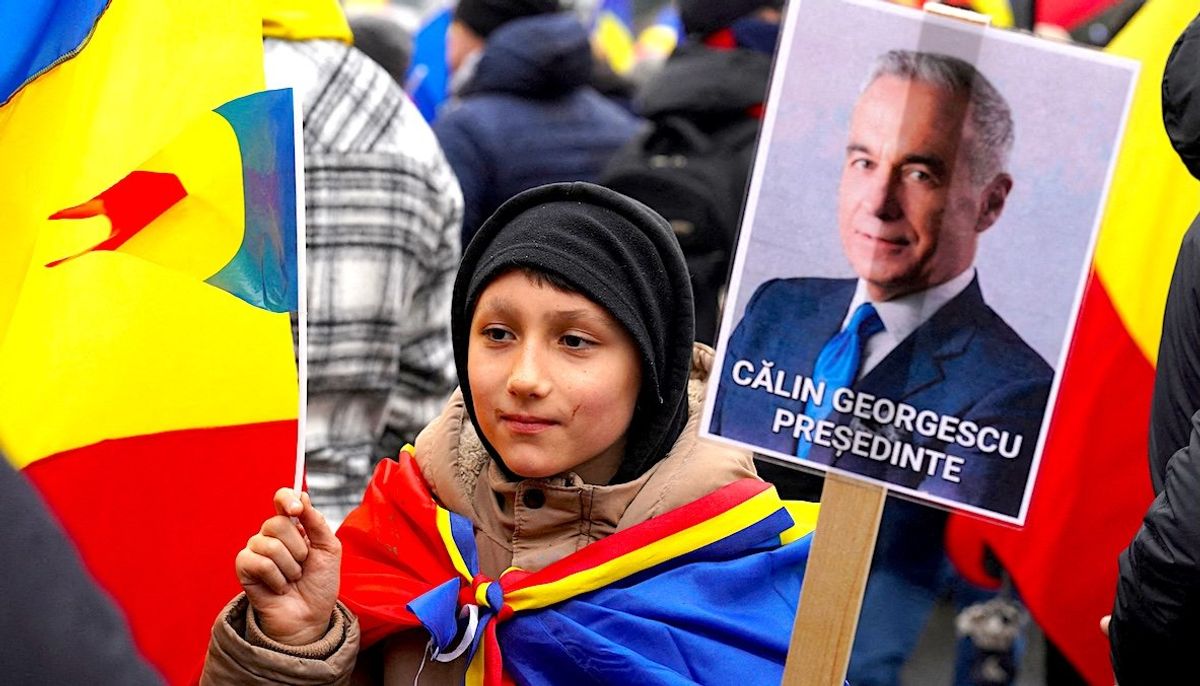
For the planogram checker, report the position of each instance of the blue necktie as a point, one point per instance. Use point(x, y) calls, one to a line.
point(837, 365)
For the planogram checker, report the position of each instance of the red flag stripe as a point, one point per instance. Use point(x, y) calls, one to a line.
point(128, 504)
point(1093, 483)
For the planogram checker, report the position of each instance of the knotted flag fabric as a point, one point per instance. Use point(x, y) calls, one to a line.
point(147, 267)
point(705, 593)
point(1093, 485)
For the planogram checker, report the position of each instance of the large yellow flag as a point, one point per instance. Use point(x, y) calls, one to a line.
point(151, 401)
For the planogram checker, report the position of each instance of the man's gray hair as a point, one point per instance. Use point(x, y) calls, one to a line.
point(990, 115)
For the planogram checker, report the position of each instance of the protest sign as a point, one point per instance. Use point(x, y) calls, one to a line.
point(919, 229)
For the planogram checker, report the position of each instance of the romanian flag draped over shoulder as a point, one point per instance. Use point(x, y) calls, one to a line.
point(1093, 485)
point(705, 593)
point(147, 272)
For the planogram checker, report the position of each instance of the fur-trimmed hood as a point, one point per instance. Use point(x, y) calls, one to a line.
point(531, 533)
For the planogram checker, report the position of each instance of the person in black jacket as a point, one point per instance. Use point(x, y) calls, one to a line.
point(1177, 381)
point(1155, 623)
point(523, 113)
point(713, 86)
point(56, 626)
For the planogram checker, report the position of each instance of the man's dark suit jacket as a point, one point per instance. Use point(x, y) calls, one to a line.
point(964, 361)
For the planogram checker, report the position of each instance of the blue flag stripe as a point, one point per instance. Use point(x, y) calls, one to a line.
point(264, 270)
point(36, 35)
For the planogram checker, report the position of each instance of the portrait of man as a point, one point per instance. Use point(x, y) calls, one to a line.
point(917, 239)
point(902, 373)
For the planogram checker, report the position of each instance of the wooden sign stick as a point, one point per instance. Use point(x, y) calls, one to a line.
point(834, 581)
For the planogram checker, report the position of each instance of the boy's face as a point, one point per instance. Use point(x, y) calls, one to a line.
point(554, 379)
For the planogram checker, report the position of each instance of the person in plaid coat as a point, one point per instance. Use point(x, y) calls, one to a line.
point(383, 215)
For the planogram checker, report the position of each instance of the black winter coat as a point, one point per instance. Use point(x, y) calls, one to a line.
point(528, 117)
point(1156, 619)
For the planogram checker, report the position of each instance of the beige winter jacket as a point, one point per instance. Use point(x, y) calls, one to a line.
point(528, 524)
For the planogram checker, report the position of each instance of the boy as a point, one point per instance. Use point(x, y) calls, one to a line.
point(641, 555)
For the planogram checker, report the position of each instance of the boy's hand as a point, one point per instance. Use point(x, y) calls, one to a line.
point(290, 572)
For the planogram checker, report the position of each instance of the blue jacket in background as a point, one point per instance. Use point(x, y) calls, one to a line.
point(528, 117)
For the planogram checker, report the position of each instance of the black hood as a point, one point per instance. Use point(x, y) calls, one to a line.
point(543, 56)
point(697, 79)
point(621, 255)
point(1181, 97)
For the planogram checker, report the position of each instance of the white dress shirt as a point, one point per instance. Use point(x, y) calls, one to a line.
point(902, 316)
